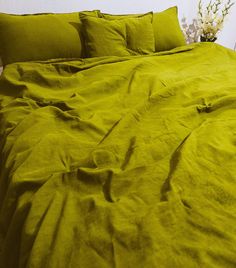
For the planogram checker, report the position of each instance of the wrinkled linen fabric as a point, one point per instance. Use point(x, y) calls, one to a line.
point(120, 161)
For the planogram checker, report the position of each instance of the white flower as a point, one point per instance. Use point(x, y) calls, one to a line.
point(201, 31)
point(212, 17)
point(206, 27)
point(208, 18)
point(218, 20)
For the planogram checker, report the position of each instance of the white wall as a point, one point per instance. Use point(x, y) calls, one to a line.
point(187, 8)
point(228, 36)
point(115, 6)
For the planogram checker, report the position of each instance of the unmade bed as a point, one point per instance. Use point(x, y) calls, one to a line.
point(119, 161)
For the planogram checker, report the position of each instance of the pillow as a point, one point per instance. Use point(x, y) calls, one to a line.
point(129, 36)
point(140, 36)
point(94, 13)
point(39, 37)
point(103, 37)
point(167, 31)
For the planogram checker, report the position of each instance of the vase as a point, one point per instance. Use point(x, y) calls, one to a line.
point(205, 39)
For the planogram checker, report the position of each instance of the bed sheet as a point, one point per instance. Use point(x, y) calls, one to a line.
point(120, 162)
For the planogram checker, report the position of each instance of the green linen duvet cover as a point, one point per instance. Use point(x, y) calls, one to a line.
point(120, 162)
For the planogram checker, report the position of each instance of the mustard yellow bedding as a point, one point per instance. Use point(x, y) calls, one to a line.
point(120, 162)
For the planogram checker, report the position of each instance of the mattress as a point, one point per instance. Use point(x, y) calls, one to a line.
point(120, 161)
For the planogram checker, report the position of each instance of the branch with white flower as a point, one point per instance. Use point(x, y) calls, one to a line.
point(211, 19)
point(190, 30)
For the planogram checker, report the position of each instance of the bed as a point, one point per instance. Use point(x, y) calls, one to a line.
point(119, 161)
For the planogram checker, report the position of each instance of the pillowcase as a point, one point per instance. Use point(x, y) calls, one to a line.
point(40, 37)
point(139, 34)
point(94, 13)
point(167, 31)
point(123, 37)
point(103, 37)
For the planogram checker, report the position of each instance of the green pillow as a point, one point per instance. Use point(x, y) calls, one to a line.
point(139, 34)
point(40, 37)
point(167, 30)
point(103, 37)
point(129, 36)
